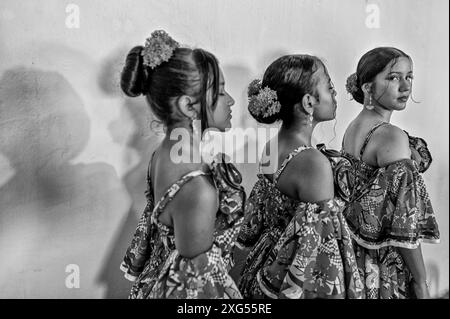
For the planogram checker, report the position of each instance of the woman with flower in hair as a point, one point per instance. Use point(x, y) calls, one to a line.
point(390, 212)
point(181, 247)
point(294, 233)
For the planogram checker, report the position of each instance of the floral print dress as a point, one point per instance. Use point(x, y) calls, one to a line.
point(155, 265)
point(389, 207)
point(298, 249)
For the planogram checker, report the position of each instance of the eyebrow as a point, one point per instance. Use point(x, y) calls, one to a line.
point(398, 72)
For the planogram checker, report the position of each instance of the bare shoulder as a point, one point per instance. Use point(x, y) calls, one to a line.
point(311, 174)
point(199, 192)
point(311, 160)
point(175, 171)
point(391, 144)
point(165, 172)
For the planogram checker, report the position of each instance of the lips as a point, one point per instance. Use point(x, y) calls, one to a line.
point(403, 99)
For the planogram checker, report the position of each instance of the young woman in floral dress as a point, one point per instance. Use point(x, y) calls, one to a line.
point(181, 247)
point(294, 233)
point(390, 211)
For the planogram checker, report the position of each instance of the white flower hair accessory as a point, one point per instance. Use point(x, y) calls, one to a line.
point(158, 48)
point(263, 102)
point(352, 84)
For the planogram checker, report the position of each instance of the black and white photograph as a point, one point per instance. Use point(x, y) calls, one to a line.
point(251, 150)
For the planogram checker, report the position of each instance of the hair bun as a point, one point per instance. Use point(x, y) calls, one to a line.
point(133, 77)
point(263, 103)
point(352, 83)
point(254, 87)
point(353, 88)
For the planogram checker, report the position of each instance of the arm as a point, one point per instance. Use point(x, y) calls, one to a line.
point(392, 145)
point(311, 176)
point(316, 178)
point(239, 256)
point(414, 261)
point(193, 214)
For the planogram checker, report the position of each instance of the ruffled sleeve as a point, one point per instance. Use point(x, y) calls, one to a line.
point(231, 193)
point(143, 241)
point(253, 223)
point(314, 257)
point(395, 211)
point(232, 200)
point(420, 152)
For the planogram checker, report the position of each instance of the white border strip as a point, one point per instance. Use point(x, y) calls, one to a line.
point(391, 242)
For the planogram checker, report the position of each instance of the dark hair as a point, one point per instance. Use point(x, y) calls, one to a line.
point(291, 76)
point(187, 72)
point(371, 64)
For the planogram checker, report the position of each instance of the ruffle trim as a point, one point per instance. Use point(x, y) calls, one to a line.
point(124, 267)
point(263, 287)
point(401, 182)
point(227, 180)
point(392, 242)
point(420, 152)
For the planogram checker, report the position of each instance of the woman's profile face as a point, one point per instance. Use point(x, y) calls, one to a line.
point(326, 109)
point(219, 117)
point(392, 87)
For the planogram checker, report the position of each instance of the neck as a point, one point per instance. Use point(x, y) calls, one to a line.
point(182, 143)
point(180, 125)
point(301, 133)
point(379, 112)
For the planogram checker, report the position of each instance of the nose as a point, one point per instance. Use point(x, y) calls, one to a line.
point(405, 85)
point(230, 100)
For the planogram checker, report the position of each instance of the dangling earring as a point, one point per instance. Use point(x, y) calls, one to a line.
point(196, 138)
point(195, 123)
point(370, 106)
point(310, 119)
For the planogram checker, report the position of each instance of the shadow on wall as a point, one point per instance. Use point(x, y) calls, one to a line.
point(434, 279)
point(237, 79)
point(143, 141)
point(53, 213)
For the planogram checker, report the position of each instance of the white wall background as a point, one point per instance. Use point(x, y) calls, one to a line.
point(74, 150)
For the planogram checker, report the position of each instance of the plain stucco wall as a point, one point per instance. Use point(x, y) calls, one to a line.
point(74, 150)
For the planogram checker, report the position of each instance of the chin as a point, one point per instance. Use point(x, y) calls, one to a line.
point(400, 106)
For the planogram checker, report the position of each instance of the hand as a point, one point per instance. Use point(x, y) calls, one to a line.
point(420, 289)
